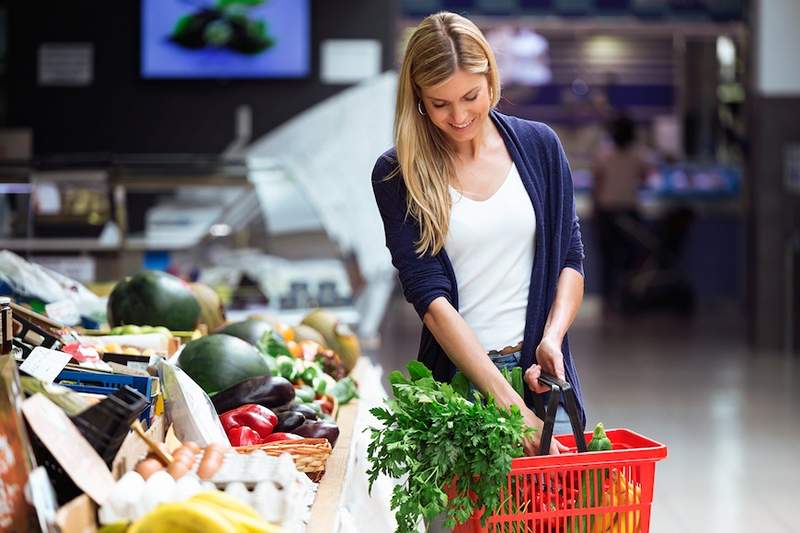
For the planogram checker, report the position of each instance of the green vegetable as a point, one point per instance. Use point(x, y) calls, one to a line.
point(431, 437)
point(310, 372)
point(600, 441)
point(305, 394)
point(461, 385)
point(271, 343)
point(345, 390)
point(592, 482)
point(218, 361)
point(153, 298)
point(319, 385)
point(286, 367)
point(251, 331)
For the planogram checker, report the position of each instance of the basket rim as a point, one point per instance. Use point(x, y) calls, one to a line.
point(638, 449)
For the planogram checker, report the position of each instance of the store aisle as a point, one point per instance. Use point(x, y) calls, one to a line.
point(729, 415)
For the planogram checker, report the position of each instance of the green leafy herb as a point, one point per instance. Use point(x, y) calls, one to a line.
point(272, 344)
point(435, 439)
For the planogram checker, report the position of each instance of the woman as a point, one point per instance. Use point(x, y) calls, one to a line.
point(479, 217)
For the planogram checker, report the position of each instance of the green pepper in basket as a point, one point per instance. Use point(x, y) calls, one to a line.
point(592, 482)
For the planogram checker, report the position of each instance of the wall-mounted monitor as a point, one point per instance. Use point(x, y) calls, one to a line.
point(225, 39)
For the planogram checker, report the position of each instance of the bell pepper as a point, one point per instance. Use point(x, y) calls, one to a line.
point(256, 418)
point(592, 486)
point(244, 436)
point(277, 437)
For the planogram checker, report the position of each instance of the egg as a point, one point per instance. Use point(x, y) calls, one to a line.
point(148, 467)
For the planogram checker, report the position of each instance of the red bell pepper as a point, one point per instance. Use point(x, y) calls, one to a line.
point(277, 437)
point(256, 418)
point(243, 436)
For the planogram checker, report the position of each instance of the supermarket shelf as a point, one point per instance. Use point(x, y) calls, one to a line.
point(58, 244)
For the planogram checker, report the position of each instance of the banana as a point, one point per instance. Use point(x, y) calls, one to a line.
point(186, 517)
point(248, 524)
point(222, 500)
point(244, 517)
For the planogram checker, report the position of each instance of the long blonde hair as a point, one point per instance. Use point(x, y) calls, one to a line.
point(440, 44)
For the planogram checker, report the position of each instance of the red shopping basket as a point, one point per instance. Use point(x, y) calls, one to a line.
point(582, 492)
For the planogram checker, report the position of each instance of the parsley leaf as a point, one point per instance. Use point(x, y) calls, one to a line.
point(454, 454)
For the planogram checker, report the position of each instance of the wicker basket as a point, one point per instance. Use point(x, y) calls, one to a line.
point(310, 455)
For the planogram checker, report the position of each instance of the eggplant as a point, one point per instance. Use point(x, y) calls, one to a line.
point(318, 430)
point(262, 390)
point(305, 410)
point(289, 420)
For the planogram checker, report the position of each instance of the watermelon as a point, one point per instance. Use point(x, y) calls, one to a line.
point(153, 298)
point(219, 361)
point(212, 312)
point(248, 330)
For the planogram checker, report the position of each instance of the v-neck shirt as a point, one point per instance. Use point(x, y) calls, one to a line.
point(491, 246)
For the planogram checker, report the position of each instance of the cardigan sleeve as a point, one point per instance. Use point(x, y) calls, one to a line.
point(423, 278)
point(574, 255)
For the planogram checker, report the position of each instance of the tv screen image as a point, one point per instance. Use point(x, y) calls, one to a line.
point(225, 39)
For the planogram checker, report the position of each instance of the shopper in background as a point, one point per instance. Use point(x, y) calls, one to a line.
point(619, 171)
point(479, 216)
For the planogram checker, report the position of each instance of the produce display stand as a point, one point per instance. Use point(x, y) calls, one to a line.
point(331, 486)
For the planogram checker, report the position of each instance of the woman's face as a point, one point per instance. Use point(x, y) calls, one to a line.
point(459, 106)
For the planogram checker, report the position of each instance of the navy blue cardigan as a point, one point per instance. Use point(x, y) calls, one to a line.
point(543, 167)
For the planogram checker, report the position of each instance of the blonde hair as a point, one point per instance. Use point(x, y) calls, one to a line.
point(441, 44)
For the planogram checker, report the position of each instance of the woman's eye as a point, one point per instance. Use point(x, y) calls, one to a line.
point(470, 98)
point(438, 106)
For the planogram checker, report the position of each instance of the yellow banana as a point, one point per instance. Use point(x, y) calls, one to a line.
point(186, 517)
point(225, 501)
point(248, 524)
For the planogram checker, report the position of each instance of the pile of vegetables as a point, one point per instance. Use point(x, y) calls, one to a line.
point(454, 454)
point(261, 391)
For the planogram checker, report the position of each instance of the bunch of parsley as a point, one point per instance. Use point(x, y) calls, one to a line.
point(433, 436)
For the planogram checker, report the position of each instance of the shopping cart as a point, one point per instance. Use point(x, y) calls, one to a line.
point(583, 492)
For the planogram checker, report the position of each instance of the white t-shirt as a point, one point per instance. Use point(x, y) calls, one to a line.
point(490, 245)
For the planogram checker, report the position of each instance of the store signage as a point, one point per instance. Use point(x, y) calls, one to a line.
point(66, 64)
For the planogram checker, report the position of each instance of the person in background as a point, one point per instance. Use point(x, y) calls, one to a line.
point(479, 216)
point(619, 171)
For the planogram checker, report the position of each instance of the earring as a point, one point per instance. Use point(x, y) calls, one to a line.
point(419, 108)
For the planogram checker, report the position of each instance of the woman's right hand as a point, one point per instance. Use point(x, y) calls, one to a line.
point(531, 444)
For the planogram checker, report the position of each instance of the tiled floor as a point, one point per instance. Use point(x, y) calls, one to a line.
point(730, 416)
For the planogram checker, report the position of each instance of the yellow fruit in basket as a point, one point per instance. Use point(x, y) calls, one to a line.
point(187, 517)
point(130, 350)
point(112, 347)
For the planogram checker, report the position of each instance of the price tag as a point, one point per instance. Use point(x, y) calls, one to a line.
point(64, 311)
point(45, 364)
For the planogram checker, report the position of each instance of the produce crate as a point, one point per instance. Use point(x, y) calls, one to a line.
point(592, 492)
point(106, 384)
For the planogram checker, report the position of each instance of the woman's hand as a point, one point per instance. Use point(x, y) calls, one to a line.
point(549, 360)
point(531, 445)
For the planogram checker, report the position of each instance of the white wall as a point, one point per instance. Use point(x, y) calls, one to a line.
point(778, 47)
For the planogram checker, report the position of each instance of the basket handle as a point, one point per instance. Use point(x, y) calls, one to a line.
point(557, 388)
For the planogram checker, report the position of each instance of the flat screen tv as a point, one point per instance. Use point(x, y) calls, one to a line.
point(225, 39)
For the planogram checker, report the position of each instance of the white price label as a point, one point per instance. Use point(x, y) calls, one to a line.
point(45, 364)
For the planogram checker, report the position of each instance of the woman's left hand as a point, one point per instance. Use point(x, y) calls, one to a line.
point(550, 360)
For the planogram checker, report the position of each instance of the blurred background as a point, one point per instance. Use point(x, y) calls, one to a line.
point(240, 156)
